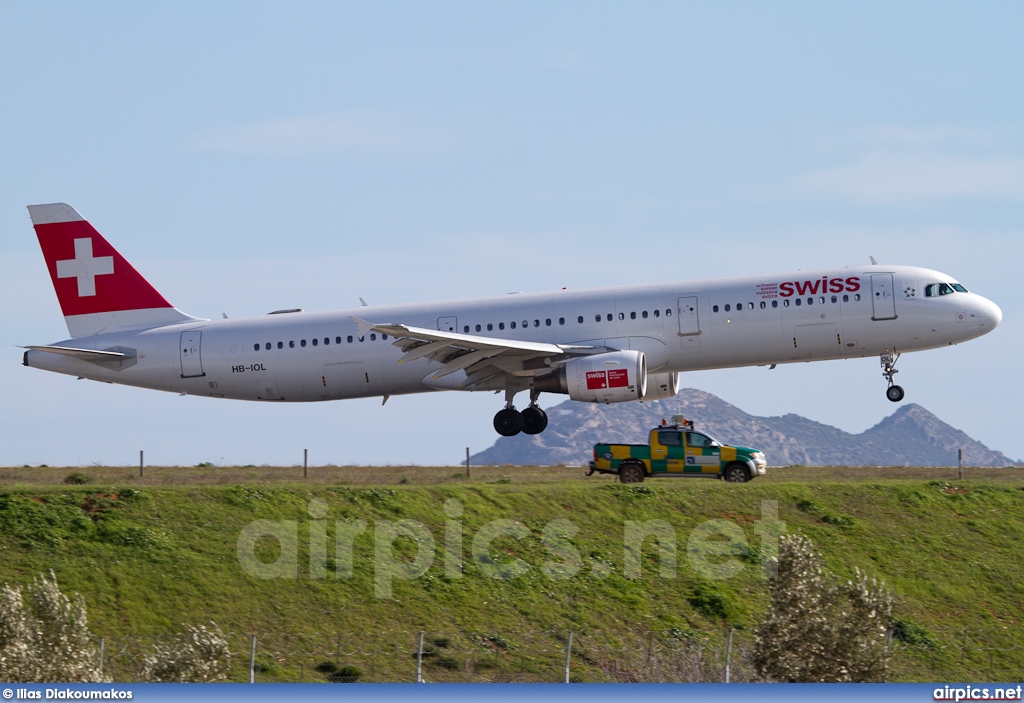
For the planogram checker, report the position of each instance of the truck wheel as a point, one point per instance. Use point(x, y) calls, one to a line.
point(736, 473)
point(631, 473)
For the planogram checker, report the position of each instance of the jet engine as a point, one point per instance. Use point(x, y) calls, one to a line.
point(661, 386)
point(612, 377)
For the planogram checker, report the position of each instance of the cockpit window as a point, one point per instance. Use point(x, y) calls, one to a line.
point(958, 288)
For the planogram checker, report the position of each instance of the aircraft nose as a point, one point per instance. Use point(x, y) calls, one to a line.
point(989, 315)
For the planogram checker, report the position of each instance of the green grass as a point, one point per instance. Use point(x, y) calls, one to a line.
point(151, 558)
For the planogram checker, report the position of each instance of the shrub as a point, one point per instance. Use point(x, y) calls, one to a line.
point(77, 478)
point(199, 654)
point(819, 628)
point(346, 674)
point(44, 635)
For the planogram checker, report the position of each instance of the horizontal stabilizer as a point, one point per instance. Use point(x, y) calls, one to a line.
point(86, 354)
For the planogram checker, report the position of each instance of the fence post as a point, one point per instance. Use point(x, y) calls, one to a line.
point(305, 463)
point(103, 642)
point(419, 659)
point(960, 465)
point(252, 659)
point(140, 463)
point(467, 463)
point(728, 655)
point(568, 654)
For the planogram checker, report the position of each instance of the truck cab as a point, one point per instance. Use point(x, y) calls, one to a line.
point(678, 450)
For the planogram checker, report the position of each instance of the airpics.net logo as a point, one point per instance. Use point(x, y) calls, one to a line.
point(404, 550)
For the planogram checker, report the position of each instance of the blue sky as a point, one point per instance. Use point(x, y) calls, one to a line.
point(248, 157)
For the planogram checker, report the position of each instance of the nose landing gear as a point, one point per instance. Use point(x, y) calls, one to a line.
point(509, 422)
point(893, 392)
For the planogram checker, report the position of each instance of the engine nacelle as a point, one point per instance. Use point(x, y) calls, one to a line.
point(661, 386)
point(613, 377)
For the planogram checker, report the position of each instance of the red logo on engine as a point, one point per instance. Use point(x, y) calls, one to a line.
point(618, 378)
point(596, 380)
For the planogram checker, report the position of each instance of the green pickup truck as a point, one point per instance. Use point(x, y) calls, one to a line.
point(678, 450)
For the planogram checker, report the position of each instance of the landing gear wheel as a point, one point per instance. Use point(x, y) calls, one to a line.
point(736, 474)
point(894, 393)
point(631, 473)
point(508, 422)
point(534, 420)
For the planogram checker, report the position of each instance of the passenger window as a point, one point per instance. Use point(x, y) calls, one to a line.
point(714, 308)
point(597, 318)
point(373, 338)
point(821, 300)
point(846, 298)
point(477, 328)
point(490, 326)
point(727, 307)
point(739, 306)
point(856, 297)
point(697, 440)
point(775, 303)
point(580, 319)
point(810, 301)
point(268, 346)
point(327, 340)
point(303, 342)
point(632, 315)
point(668, 311)
point(362, 339)
point(315, 341)
point(280, 345)
point(547, 322)
point(657, 313)
point(256, 347)
point(609, 317)
point(291, 344)
point(337, 340)
point(512, 325)
point(644, 314)
point(750, 306)
point(536, 323)
point(835, 299)
point(526, 323)
point(561, 320)
point(668, 438)
point(384, 336)
point(349, 339)
point(798, 302)
point(763, 305)
point(466, 329)
point(785, 303)
point(622, 316)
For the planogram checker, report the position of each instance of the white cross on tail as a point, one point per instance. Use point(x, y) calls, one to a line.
point(85, 267)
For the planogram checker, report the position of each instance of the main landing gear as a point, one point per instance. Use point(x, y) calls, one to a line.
point(893, 392)
point(509, 422)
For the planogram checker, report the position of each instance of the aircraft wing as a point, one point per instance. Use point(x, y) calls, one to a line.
point(486, 360)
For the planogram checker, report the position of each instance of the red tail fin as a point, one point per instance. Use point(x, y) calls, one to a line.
point(97, 288)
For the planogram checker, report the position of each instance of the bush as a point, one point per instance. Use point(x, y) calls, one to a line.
point(44, 635)
point(346, 674)
point(199, 654)
point(77, 479)
point(818, 628)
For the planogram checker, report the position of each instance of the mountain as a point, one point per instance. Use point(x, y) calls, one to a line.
point(911, 436)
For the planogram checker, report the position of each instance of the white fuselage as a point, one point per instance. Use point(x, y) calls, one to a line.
point(682, 326)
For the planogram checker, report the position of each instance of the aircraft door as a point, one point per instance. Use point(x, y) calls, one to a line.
point(883, 302)
point(448, 324)
point(689, 321)
point(191, 356)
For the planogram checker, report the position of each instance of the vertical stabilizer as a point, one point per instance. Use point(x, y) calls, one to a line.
point(98, 290)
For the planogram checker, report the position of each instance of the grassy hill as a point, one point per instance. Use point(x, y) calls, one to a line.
point(150, 555)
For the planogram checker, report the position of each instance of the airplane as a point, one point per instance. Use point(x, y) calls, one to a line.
point(602, 345)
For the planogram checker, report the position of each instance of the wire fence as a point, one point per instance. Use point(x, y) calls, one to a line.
point(545, 656)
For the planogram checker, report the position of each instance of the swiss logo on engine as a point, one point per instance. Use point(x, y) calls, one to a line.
point(618, 378)
point(596, 380)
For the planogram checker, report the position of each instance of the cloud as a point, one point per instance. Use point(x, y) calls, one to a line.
point(887, 178)
point(346, 131)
